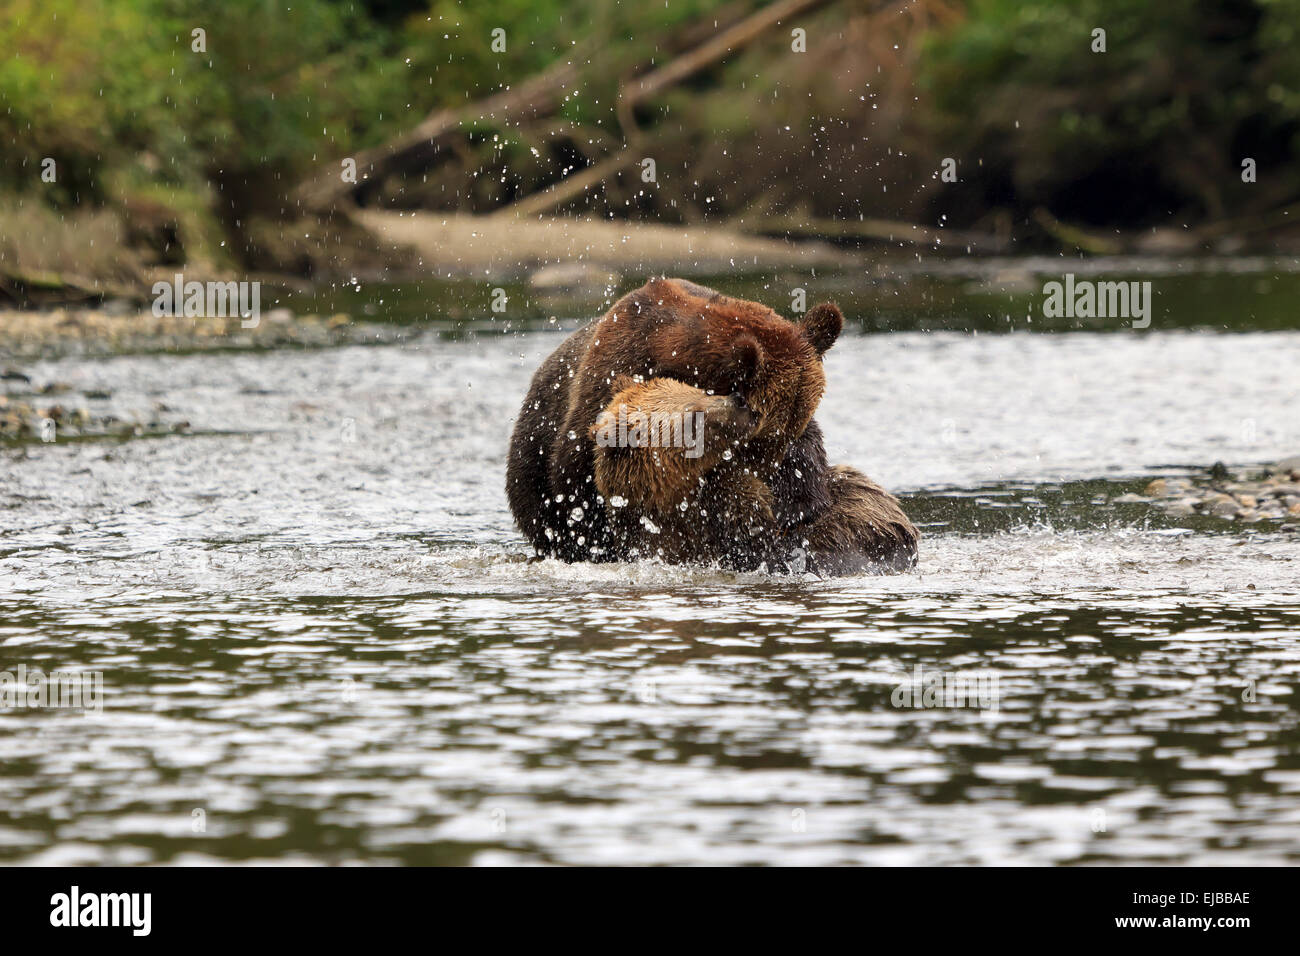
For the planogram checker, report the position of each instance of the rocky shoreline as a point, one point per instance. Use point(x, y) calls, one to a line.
point(1245, 495)
point(23, 420)
point(50, 411)
point(56, 411)
point(27, 336)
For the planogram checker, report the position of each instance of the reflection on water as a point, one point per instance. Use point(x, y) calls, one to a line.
point(685, 722)
point(965, 294)
point(321, 639)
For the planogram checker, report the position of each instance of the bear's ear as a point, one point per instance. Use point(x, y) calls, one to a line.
point(821, 325)
point(745, 359)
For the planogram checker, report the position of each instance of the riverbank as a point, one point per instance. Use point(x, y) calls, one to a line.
point(1246, 495)
point(37, 409)
point(508, 247)
point(92, 262)
point(27, 336)
point(37, 260)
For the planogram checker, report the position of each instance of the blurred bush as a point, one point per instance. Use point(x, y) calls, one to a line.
point(1157, 125)
point(104, 84)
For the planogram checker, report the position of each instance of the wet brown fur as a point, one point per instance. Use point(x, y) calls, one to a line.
point(658, 478)
point(864, 529)
point(666, 504)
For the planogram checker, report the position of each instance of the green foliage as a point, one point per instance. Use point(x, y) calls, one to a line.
point(57, 89)
point(97, 84)
point(113, 91)
point(451, 47)
point(104, 84)
point(1184, 91)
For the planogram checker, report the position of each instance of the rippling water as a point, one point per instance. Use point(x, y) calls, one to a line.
point(321, 639)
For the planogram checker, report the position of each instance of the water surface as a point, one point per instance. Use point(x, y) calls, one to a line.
point(319, 630)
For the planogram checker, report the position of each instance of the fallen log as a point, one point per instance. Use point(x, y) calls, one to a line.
point(885, 230)
point(537, 96)
point(642, 87)
point(1072, 237)
point(568, 188)
point(714, 50)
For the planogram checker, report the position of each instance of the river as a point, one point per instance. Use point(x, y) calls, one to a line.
point(321, 639)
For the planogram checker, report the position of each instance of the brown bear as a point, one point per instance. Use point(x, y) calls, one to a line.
point(759, 493)
point(667, 471)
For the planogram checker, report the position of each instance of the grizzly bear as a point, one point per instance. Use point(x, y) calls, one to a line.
point(664, 470)
point(752, 490)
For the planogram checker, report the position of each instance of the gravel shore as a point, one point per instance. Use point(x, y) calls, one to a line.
point(32, 410)
point(1246, 495)
point(25, 336)
point(76, 415)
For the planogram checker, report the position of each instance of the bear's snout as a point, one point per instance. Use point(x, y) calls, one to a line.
point(741, 419)
point(728, 419)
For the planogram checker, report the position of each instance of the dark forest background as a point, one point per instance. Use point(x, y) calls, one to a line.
point(207, 153)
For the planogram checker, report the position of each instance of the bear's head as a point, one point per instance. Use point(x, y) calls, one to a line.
point(677, 329)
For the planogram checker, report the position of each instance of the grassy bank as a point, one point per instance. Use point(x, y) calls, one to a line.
point(139, 136)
